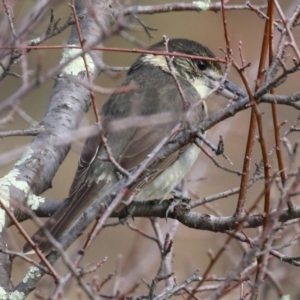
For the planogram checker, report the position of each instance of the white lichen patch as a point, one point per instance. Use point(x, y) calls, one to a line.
point(27, 155)
point(76, 66)
point(31, 274)
point(202, 4)
point(3, 294)
point(10, 179)
point(4, 196)
point(16, 295)
point(35, 41)
point(33, 201)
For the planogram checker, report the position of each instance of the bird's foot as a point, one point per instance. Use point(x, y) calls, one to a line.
point(178, 205)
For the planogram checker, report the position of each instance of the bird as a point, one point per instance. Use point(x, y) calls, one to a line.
point(162, 84)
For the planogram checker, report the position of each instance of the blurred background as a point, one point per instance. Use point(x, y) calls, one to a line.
point(130, 255)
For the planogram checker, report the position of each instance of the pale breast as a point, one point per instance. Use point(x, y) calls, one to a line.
point(165, 182)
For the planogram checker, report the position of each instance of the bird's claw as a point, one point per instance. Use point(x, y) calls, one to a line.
point(178, 206)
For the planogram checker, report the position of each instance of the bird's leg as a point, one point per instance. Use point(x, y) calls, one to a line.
point(179, 204)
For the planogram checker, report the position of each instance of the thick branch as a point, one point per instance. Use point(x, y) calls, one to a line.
point(69, 101)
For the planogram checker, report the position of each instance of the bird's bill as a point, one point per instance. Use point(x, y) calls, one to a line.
point(227, 89)
point(232, 89)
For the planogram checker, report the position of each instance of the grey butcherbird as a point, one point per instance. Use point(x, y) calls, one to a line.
point(156, 92)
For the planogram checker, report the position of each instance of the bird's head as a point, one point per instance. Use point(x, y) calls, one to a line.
point(204, 75)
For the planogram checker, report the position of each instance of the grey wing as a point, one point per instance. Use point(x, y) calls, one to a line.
point(88, 155)
point(145, 139)
point(73, 206)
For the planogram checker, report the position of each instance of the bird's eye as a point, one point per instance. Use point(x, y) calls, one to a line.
point(202, 65)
